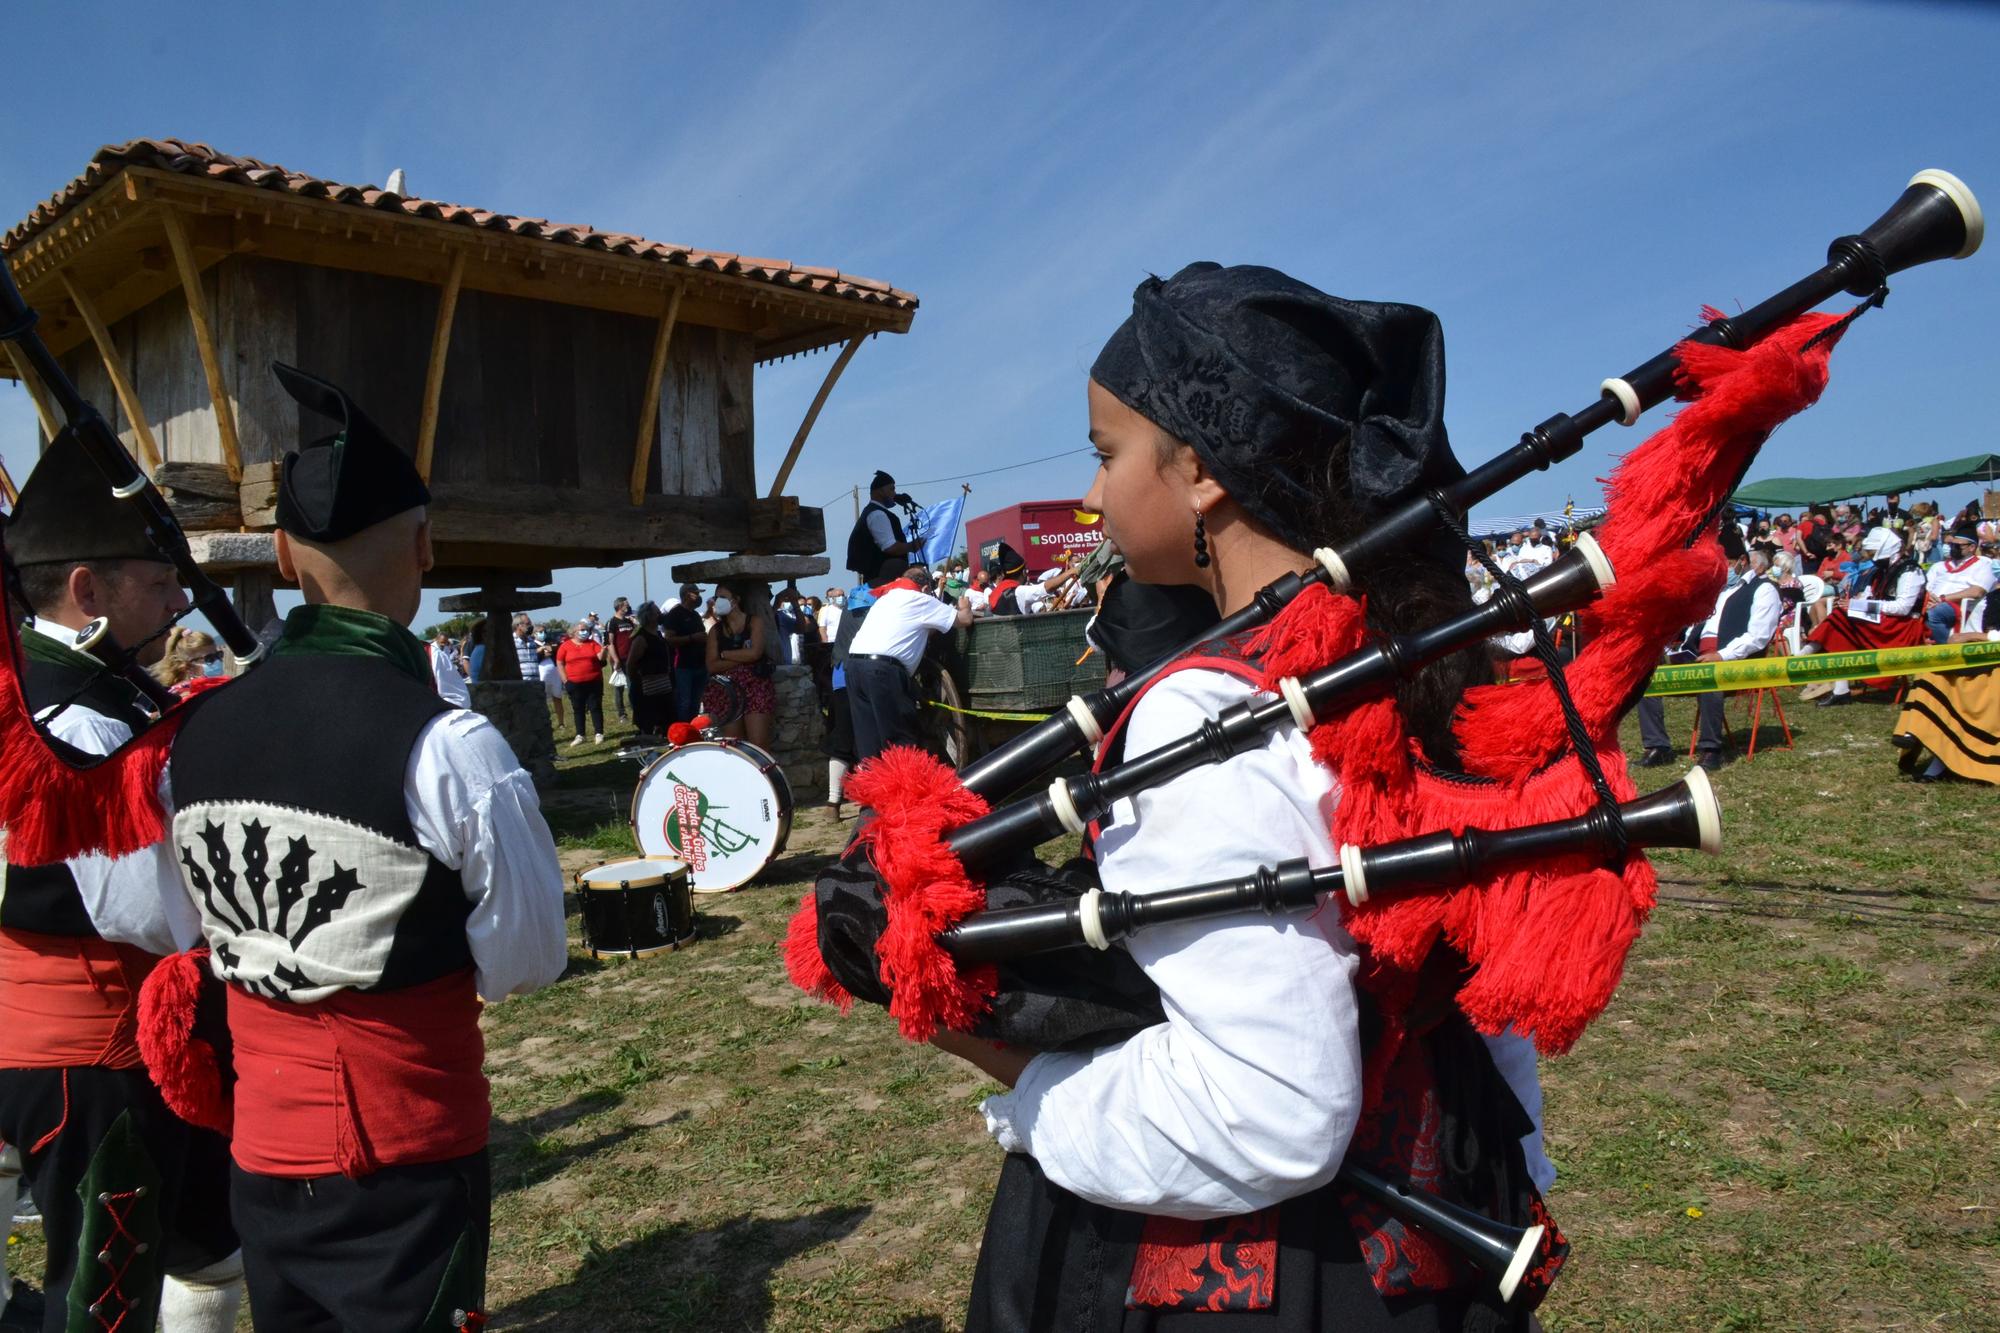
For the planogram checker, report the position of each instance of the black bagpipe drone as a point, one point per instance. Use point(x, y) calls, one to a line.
point(940, 948)
point(56, 801)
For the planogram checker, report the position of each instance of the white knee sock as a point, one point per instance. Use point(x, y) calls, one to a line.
point(1840, 687)
point(836, 778)
point(204, 1301)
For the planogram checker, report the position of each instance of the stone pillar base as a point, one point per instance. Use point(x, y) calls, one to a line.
point(796, 731)
point(520, 709)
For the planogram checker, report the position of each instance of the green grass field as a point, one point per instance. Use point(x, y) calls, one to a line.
point(1786, 1120)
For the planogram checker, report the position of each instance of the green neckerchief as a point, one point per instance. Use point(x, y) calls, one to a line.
point(343, 631)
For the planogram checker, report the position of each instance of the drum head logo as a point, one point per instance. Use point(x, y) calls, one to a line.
point(695, 830)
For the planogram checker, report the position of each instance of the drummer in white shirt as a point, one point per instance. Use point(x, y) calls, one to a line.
point(882, 658)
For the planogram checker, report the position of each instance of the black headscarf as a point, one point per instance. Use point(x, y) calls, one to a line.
point(1265, 377)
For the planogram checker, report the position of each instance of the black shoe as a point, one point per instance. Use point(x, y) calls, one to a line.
point(1655, 756)
point(1711, 761)
point(1903, 740)
point(24, 1313)
point(1834, 700)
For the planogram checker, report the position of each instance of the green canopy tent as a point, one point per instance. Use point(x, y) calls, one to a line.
point(1825, 490)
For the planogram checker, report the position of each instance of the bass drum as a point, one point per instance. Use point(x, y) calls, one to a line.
point(635, 907)
point(723, 808)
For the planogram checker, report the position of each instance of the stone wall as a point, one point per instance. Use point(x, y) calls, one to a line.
point(796, 733)
point(520, 709)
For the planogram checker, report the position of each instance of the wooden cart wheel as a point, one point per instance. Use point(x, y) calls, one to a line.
point(951, 732)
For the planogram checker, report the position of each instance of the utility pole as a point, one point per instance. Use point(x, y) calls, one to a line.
point(855, 495)
point(645, 592)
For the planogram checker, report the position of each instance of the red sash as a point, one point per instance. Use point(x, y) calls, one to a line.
point(68, 1000)
point(359, 1081)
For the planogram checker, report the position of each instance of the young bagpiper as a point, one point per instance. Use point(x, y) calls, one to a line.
point(368, 863)
point(77, 939)
point(1183, 1178)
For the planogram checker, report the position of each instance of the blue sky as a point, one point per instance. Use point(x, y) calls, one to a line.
point(1565, 184)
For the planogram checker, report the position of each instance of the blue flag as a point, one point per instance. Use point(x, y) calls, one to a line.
point(939, 525)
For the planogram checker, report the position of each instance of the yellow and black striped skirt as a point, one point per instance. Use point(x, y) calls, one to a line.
point(1956, 716)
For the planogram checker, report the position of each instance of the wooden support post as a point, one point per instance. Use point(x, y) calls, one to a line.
point(45, 407)
point(434, 377)
point(204, 341)
point(8, 490)
point(812, 413)
point(114, 366)
point(256, 602)
point(649, 408)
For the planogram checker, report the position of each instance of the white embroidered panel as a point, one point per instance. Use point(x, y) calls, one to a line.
point(294, 905)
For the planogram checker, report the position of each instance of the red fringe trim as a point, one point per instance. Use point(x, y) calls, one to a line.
point(1547, 944)
point(53, 811)
point(183, 1066)
point(916, 799)
point(803, 961)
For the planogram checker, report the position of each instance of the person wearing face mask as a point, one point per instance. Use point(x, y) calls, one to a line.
point(1884, 611)
point(1742, 625)
point(189, 655)
point(740, 646)
point(829, 615)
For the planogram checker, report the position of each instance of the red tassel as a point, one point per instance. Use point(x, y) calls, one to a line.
point(53, 811)
point(916, 798)
point(183, 1066)
point(803, 962)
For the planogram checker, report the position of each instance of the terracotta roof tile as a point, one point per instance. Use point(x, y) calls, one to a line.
point(195, 159)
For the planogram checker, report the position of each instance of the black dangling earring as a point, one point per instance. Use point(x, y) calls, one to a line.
point(1200, 541)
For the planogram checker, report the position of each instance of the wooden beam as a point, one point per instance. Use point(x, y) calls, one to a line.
point(114, 366)
point(649, 408)
point(204, 341)
point(45, 407)
point(812, 413)
point(434, 377)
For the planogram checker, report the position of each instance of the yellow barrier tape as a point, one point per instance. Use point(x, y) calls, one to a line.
point(1756, 673)
point(997, 717)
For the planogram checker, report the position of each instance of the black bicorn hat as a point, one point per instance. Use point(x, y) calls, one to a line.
point(66, 513)
point(1266, 376)
point(348, 481)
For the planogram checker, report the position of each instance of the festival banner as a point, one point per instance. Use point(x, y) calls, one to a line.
point(1755, 673)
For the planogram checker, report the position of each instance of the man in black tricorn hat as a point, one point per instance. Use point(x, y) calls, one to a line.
point(78, 938)
point(368, 863)
point(878, 546)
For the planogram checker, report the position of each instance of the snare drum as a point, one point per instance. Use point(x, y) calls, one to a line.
point(723, 808)
point(635, 907)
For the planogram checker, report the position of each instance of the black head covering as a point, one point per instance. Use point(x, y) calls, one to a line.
point(344, 483)
point(66, 514)
point(1265, 376)
point(881, 479)
point(1731, 537)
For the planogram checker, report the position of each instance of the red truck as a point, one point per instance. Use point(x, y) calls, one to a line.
point(1040, 530)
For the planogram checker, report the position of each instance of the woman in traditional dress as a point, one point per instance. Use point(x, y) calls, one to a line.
point(1886, 611)
point(1242, 419)
point(1955, 715)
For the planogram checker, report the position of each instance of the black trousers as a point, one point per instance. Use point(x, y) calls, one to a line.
point(1653, 724)
point(398, 1251)
point(882, 701)
point(586, 694)
point(192, 1227)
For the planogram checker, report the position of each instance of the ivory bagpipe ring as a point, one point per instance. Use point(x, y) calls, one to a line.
point(1960, 195)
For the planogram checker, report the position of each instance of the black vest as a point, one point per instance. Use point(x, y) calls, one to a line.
point(294, 837)
point(864, 557)
point(1735, 617)
point(45, 898)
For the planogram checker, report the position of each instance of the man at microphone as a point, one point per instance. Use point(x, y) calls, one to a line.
point(878, 535)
